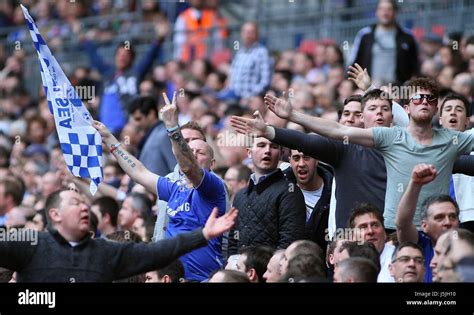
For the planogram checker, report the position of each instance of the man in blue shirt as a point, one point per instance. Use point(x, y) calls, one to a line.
point(191, 200)
point(439, 213)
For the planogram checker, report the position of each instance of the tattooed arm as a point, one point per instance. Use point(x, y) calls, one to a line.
point(131, 165)
point(181, 150)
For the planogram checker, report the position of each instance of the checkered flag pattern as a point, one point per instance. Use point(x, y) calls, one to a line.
point(80, 142)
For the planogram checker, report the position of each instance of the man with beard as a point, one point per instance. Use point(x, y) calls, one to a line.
point(401, 148)
point(272, 209)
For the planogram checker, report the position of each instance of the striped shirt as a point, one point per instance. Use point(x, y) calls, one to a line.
point(251, 71)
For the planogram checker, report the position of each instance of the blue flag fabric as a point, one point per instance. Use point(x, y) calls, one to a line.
point(80, 142)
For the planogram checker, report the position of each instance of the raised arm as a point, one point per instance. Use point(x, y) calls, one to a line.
point(131, 259)
point(317, 147)
point(464, 164)
point(185, 157)
point(422, 174)
point(283, 109)
point(131, 165)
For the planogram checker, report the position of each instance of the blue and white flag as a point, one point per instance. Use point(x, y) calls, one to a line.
point(80, 142)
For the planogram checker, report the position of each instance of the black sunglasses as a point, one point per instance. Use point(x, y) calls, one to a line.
point(417, 99)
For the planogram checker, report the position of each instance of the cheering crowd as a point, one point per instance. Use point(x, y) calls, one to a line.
point(291, 166)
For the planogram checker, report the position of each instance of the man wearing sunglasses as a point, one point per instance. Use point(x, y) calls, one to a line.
point(401, 148)
point(407, 263)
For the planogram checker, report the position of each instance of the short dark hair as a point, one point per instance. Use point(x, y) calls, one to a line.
point(353, 98)
point(470, 40)
point(360, 268)
point(231, 276)
point(305, 266)
point(124, 236)
point(174, 270)
point(392, 2)
point(144, 104)
point(194, 126)
point(287, 75)
point(306, 247)
point(362, 209)
point(456, 96)
point(127, 46)
point(243, 172)
point(436, 199)
point(257, 258)
point(142, 203)
point(403, 245)
point(14, 187)
point(108, 205)
point(459, 234)
point(52, 201)
point(365, 250)
point(375, 94)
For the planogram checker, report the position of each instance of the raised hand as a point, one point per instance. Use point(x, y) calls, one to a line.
point(359, 76)
point(249, 126)
point(218, 226)
point(423, 174)
point(281, 107)
point(107, 136)
point(169, 113)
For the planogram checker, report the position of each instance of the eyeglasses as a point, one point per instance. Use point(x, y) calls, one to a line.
point(406, 259)
point(417, 99)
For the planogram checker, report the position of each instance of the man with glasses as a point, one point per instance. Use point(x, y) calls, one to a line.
point(408, 264)
point(439, 213)
point(401, 148)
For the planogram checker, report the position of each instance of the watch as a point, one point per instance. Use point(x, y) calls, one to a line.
point(176, 135)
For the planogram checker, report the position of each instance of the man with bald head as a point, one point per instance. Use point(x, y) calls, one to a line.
point(191, 199)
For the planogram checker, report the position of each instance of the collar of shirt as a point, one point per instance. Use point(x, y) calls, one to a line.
point(254, 178)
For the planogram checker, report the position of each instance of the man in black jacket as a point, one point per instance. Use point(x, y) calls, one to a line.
point(388, 51)
point(315, 181)
point(66, 253)
point(272, 209)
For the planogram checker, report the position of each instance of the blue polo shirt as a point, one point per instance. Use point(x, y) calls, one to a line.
point(425, 243)
point(189, 209)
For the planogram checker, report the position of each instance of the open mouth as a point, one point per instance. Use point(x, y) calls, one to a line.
point(302, 172)
point(453, 121)
point(266, 159)
point(380, 121)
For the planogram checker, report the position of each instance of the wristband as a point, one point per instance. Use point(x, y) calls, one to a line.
point(114, 147)
point(173, 129)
